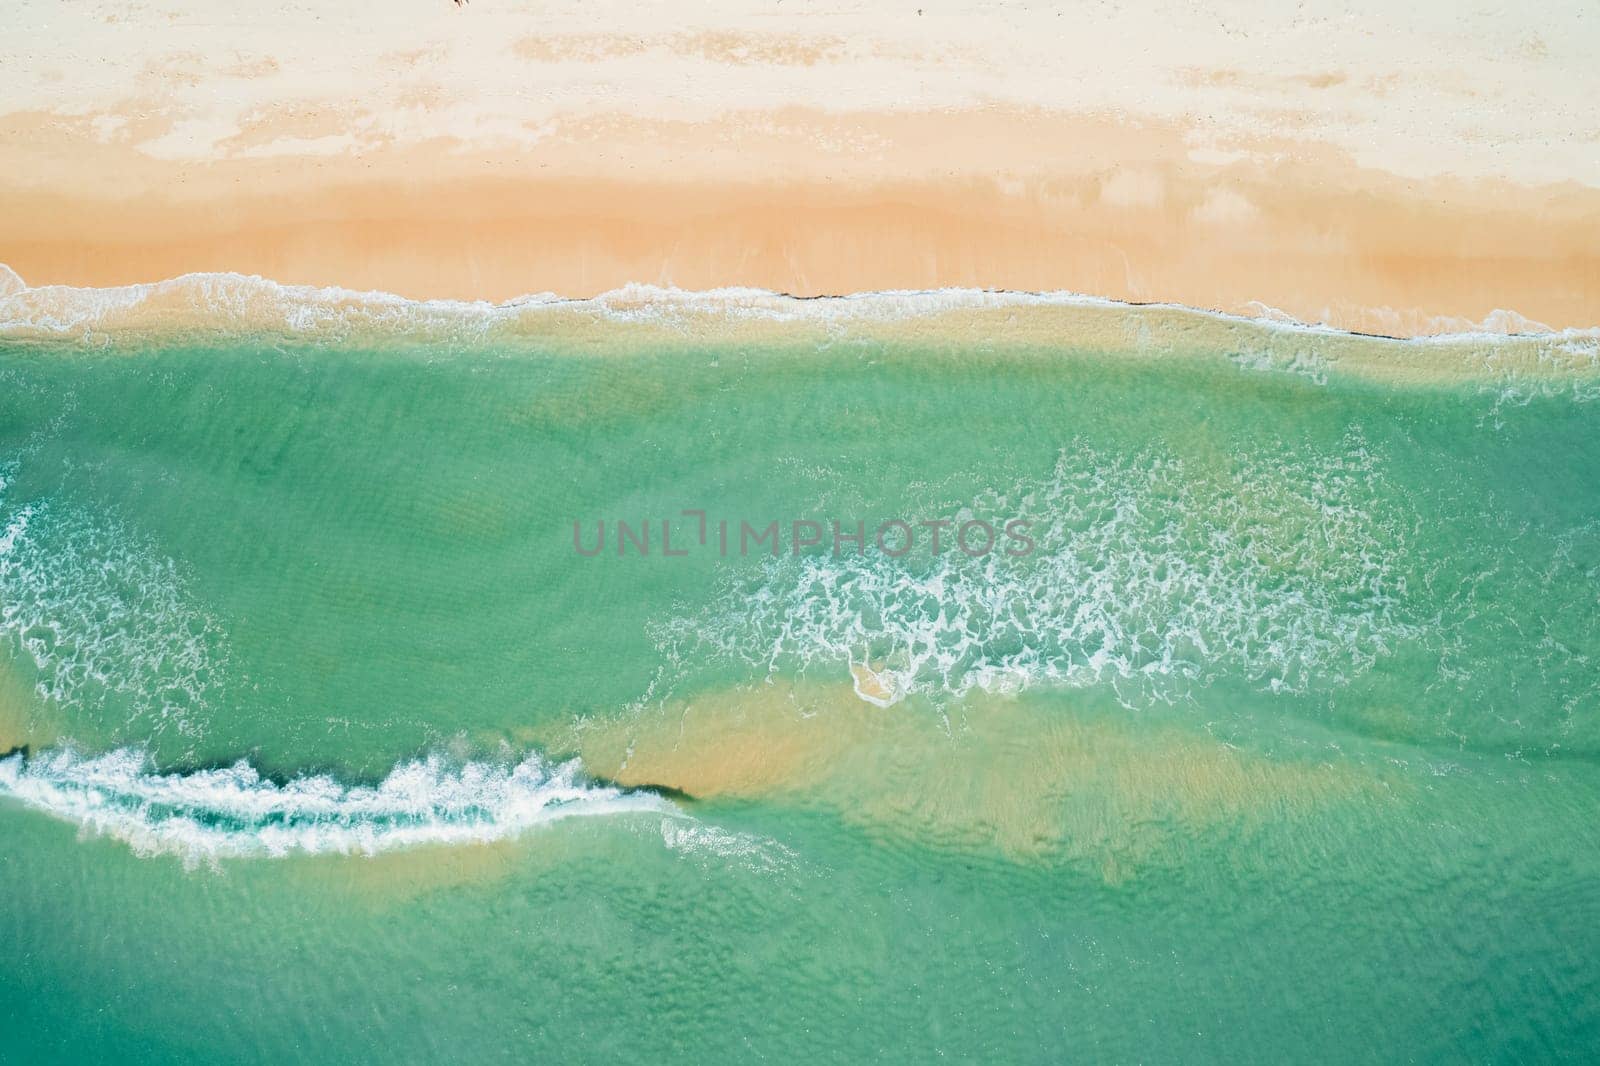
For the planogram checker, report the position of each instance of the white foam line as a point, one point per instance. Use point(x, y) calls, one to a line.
point(234, 812)
point(224, 301)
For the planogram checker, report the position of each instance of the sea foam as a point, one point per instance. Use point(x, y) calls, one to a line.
point(1152, 575)
point(232, 303)
point(235, 812)
point(1506, 354)
point(99, 612)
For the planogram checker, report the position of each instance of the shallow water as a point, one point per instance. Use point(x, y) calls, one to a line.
point(1279, 741)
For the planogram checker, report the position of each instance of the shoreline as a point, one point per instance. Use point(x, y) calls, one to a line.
point(1381, 257)
point(209, 307)
point(635, 300)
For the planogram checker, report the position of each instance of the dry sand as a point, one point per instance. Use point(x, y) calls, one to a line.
point(1394, 171)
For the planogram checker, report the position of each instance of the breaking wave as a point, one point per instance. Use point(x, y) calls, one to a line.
point(230, 304)
point(235, 812)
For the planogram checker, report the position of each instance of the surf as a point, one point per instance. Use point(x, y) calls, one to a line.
point(237, 812)
point(1504, 348)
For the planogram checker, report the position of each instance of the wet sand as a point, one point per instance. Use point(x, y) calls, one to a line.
point(1320, 243)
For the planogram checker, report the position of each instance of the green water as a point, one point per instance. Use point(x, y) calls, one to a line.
point(1280, 745)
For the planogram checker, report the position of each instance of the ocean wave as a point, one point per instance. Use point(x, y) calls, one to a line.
point(221, 303)
point(234, 812)
point(1152, 575)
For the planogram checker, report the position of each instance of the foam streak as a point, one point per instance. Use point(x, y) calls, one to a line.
point(234, 812)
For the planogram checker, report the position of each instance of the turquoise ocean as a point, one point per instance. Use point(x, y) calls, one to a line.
point(343, 722)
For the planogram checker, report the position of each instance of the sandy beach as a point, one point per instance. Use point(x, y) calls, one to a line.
point(1322, 171)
